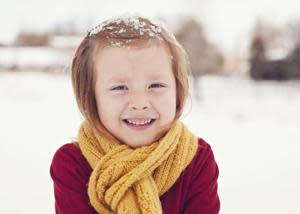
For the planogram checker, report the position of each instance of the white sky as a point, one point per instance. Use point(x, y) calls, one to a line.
point(226, 22)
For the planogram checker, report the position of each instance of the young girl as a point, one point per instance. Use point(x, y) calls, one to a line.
point(133, 155)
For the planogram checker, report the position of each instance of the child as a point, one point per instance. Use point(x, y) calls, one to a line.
point(133, 155)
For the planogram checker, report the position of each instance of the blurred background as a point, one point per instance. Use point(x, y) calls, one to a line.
point(244, 93)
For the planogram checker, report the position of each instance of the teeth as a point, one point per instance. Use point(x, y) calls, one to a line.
point(139, 122)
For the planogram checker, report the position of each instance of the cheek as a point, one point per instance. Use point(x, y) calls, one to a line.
point(167, 104)
point(109, 107)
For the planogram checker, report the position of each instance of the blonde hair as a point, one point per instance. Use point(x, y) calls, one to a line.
point(124, 32)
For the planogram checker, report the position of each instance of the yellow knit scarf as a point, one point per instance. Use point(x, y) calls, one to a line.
point(126, 180)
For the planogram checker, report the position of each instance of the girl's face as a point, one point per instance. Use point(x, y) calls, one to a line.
point(135, 92)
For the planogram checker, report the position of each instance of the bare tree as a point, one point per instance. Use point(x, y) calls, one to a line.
point(261, 66)
point(204, 57)
point(32, 39)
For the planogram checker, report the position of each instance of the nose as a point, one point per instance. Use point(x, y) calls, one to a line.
point(139, 101)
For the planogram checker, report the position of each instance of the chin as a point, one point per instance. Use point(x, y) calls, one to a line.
point(139, 144)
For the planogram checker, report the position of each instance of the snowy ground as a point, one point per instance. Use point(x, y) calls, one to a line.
point(52, 58)
point(253, 128)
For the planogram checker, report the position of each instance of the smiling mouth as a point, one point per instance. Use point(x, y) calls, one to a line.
point(139, 123)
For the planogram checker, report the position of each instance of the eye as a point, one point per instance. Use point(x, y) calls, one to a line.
point(157, 85)
point(119, 88)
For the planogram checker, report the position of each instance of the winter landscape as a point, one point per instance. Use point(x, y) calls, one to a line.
point(253, 128)
point(244, 100)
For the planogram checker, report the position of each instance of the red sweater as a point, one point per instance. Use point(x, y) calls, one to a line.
point(194, 192)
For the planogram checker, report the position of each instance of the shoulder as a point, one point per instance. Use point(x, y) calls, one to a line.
point(68, 149)
point(70, 173)
point(203, 173)
point(69, 165)
point(204, 155)
point(204, 165)
point(202, 170)
point(67, 154)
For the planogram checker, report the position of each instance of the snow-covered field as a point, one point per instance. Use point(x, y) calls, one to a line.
point(49, 58)
point(253, 128)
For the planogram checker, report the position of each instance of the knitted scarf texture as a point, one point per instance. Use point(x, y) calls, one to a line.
point(126, 180)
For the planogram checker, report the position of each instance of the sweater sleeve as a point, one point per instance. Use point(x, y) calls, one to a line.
point(70, 173)
point(203, 191)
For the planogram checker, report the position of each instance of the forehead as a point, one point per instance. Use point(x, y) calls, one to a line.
point(119, 61)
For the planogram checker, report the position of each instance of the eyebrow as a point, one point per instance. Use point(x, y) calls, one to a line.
point(152, 77)
point(156, 76)
point(116, 79)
